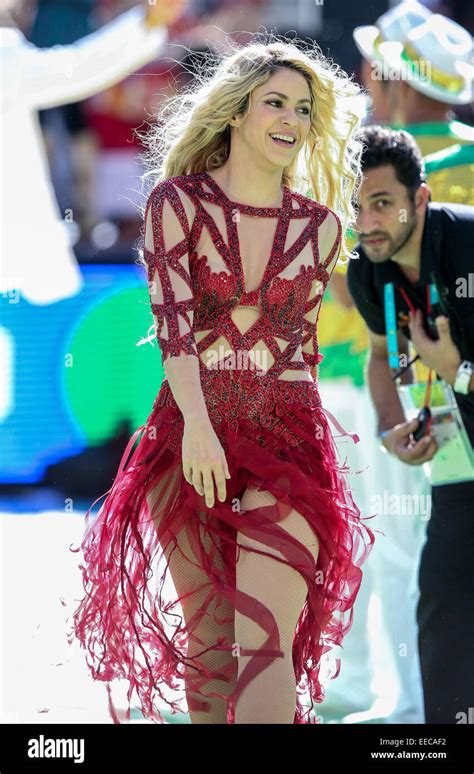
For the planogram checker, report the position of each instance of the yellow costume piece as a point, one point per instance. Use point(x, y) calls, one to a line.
point(435, 136)
point(450, 174)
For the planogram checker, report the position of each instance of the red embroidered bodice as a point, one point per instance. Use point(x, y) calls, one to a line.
point(197, 283)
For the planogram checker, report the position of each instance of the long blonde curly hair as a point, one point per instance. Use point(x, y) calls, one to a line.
point(192, 132)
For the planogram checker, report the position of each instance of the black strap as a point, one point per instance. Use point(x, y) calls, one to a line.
point(440, 278)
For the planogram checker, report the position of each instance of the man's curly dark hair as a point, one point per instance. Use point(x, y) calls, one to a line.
point(383, 145)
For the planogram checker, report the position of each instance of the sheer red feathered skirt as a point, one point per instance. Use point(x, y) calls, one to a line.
point(276, 437)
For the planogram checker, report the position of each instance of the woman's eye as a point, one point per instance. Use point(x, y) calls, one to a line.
point(279, 102)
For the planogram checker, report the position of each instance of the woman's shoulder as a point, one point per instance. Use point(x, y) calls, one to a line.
point(176, 189)
point(184, 182)
point(320, 211)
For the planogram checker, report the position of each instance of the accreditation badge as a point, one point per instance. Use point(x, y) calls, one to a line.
point(453, 462)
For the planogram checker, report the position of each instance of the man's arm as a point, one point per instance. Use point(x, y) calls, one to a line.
point(398, 439)
point(381, 385)
point(390, 415)
point(450, 375)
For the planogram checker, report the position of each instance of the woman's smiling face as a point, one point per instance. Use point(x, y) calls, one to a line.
point(282, 106)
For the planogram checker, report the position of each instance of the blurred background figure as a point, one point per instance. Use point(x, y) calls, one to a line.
point(394, 25)
point(71, 148)
point(432, 74)
point(38, 260)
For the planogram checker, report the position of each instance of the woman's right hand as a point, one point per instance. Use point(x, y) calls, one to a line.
point(204, 460)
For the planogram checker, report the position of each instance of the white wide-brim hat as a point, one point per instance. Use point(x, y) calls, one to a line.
point(435, 58)
point(393, 25)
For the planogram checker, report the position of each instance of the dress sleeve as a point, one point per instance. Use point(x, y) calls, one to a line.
point(166, 254)
point(329, 245)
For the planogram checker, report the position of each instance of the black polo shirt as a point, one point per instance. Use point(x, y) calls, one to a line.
point(447, 252)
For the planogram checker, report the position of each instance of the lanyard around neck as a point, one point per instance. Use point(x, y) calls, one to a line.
point(391, 328)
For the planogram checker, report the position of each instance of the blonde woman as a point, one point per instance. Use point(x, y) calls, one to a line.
point(235, 484)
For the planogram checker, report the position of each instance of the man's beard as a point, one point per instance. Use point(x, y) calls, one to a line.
point(393, 244)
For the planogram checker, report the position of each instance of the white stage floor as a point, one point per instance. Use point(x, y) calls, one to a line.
point(44, 678)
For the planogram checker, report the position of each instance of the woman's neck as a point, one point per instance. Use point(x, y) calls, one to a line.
point(264, 191)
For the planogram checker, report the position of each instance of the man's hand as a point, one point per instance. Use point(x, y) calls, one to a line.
point(163, 13)
point(442, 356)
point(399, 442)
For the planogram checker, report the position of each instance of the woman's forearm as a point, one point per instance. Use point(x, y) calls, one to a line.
point(183, 375)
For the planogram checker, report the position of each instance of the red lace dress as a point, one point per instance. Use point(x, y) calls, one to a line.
point(267, 413)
